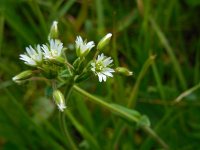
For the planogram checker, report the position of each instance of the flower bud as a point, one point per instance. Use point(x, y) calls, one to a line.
point(124, 71)
point(53, 31)
point(104, 41)
point(59, 100)
point(22, 76)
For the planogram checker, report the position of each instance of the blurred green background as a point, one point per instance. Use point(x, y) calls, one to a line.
point(159, 40)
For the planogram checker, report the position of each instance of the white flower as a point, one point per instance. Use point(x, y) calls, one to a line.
point(82, 47)
point(54, 50)
point(101, 67)
point(32, 56)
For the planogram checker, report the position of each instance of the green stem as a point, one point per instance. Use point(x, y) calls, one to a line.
point(95, 55)
point(106, 105)
point(186, 93)
point(83, 131)
point(63, 123)
point(134, 92)
point(159, 84)
point(121, 113)
point(157, 127)
point(170, 51)
point(156, 137)
point(65, 131)
point(55, 133)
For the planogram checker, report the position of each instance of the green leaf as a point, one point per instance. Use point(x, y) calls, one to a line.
point(144, 121)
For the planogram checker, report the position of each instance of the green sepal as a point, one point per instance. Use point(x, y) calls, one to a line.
point(76, 63)
point(82, 77)
point(65, 74)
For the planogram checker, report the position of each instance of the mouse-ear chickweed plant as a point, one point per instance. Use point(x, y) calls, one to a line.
point(49, 62)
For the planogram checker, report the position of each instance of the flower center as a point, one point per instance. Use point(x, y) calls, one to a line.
point(34, 57)
point(54, 52)
point(99, 66)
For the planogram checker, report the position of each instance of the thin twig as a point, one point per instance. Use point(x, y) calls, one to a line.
point(186, 93)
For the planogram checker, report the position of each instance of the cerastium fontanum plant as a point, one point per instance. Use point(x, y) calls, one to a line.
point(49, 62)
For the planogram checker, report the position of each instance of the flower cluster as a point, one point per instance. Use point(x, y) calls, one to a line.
point(50, 61)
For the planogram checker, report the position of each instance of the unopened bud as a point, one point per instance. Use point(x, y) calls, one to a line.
point(59, 100)
point(22, 76)
point(53, 31)
point(104, 41)
point(124, 71)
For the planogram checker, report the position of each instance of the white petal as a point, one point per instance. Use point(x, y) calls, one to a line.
point(78, 41)
point(61, 106)
point(32, 50)
point(108, 73)
point(109, 69)
point(25, 57)
point(46, 50)
point(28, 51)
point(39, 49)
point(52, 44)
point(107, 61)
point(104, 78)
point(108, 35)
point(100, 57)
point(93, 64)
point(90, 44)
point(55, 48)
point(93, 69)
point(100, 77)
point(59, 48)
point(27, 60)
point(39, 53)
